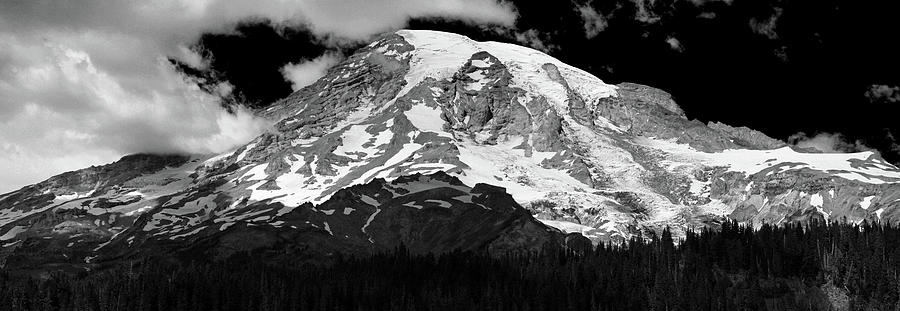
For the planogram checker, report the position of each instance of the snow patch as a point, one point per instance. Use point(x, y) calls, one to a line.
point(139, 211)
point(369, 220)
point(860, 166)
point(816, 200)
point(258, 172)
point(369, 200)
point(866, 202)
point(356, 136)
point(12, 233)
point(413, 205)
point(328, 228)
point(587, 231)
point(243, 153)
point(440, 54)
point(225, 226)
point(427, 119)
point(482, 63)
point(441, 203)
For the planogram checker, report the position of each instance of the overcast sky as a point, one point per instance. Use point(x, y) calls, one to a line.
point(85, 82)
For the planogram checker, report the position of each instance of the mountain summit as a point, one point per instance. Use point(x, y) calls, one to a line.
point(440, 142)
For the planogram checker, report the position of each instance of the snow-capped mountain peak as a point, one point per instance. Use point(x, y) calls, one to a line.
point(607, 161)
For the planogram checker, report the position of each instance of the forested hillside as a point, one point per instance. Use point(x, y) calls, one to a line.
point(794, 267)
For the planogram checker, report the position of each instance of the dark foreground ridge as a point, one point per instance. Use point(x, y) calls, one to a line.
point(817, 267)
point(433, 213)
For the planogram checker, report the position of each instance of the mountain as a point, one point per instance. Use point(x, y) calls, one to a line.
point(440, 142)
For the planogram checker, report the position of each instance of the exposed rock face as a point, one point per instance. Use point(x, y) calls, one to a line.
point(744, 136)
point(605, 161)
point(645, 111)
point(802, 195)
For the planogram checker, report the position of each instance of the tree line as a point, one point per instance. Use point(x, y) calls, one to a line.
point(815, 266)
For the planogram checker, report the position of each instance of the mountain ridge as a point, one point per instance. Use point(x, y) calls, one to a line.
point(609, 162)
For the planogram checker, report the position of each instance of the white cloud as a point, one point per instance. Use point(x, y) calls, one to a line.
point(191, 58)
point(895, 146)
point(62, 112)
point(767, 27)
point(645, 12)
point(594, 22)
point(883, 93)
point(358, 19)
point(306, 73)
point(531, 38)
point(86, 82)
point(674, 44)
point(828, 143)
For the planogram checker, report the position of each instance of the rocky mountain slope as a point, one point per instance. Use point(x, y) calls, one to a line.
point(419, 108)
point(427, 213)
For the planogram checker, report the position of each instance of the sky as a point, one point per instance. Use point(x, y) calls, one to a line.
point(85, 82)
point(817, 74)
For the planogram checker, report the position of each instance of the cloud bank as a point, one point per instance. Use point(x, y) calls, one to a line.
point(828, 143)
point(85, 82)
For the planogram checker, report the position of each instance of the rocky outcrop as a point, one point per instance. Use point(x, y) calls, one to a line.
point(645, 111)
point(747, 137)
point(479, 98)
point(804, 195)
